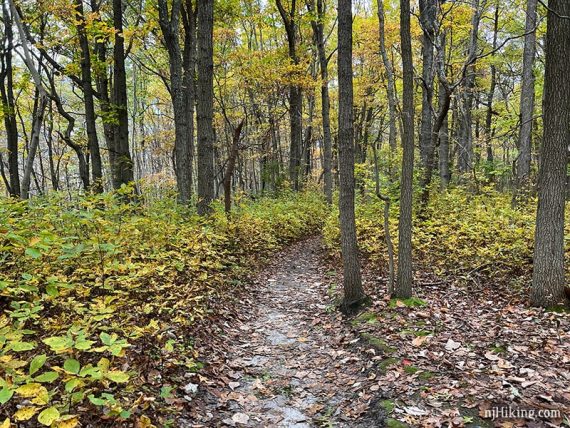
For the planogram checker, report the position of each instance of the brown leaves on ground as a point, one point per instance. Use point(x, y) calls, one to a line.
point(447, 358)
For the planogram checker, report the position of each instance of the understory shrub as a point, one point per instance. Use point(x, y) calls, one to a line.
point(461, 233)
point(94, 292)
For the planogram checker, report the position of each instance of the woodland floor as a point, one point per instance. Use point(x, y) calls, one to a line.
point(285, 357)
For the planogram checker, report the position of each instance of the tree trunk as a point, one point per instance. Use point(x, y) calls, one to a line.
point(391, 87)
point(465, 137)
point(7, 93)
point(353, 292)
point(230, 168)
point(548, 280)
point(404, 278)
point(90, 117)
point(122, 167)
point(491, 93)
point(295, 96)
point(205, 106)
point(318, 31)
point(181, 89)
point(428, 13)
point(527, 96)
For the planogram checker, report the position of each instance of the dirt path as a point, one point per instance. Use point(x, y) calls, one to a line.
point(289, 364)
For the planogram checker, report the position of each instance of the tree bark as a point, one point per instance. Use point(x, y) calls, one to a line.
point(527, 96)
point(122, 164)
point(181, 89)
point(404, 278)
point(352, 282)
point(548, 279)
point(205, 106)
point(90, 116)
point(391, 87)
point(7, 94)
point(428, 13)
point(295, 96)
point(491, 93)
point(318, 31)
point(465, 137)
point(230, 168)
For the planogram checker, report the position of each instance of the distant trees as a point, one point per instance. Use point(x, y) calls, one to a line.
point(548, 279)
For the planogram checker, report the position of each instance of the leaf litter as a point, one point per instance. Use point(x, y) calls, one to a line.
point(285, 357)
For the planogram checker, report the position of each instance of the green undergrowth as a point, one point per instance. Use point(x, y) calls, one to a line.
point(460, 235)
point(96, 294)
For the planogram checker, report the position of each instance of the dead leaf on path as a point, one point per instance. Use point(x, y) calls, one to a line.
point(419, 340)
point(491, 356)
point(240, 418)
point(234, 385)
point(452, 345)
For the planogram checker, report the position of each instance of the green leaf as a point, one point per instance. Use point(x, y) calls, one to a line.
point(48, 416)
point(96, 401)
point(47, 377)
point(51, 290)
point(37, 363)
point(70, 385)
point(72, 365)
point(59, 343)
point(117, 376)
point(166, 391)
point(22, 346)
point(5, 395)
point(107, 339)
point(33, 252)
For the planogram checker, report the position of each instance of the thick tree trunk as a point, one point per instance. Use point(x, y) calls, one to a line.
point(527, 96)
point(318, 31)
point(428, 13)
point(353, 292)
point(404, 278)
point(205, 106)
point(90, 117)
point(444, 170)
point(391, 87)
point(122, 167)
point(548, 275)
point(181, 89)
point(7, 93)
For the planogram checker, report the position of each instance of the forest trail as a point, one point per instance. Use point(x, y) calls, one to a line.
point(289, 365)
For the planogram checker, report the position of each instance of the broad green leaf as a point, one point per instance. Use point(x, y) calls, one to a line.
point(37, 363)
point(33, 252)
point(22, 346)
point(71, 384)
point(5, 395)
point(59, 343)
point(47, 377)
point(96, 401)
point(117, 376)
point(72, 365)
point(48, 416)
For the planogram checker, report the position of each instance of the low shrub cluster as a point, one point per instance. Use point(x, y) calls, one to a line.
point(94, 293)
point(459, 235)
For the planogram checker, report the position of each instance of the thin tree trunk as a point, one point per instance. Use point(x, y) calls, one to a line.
point(527, 96)
point(428, 13)
point(391, 87)
point(465, 138)
point(404, 279)
point(205, 106)
point(548, 279)
point(230, 168)
point(352, 282)
point(491, 93)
